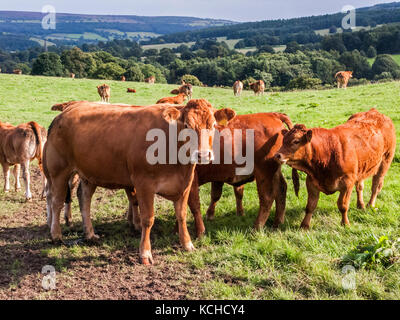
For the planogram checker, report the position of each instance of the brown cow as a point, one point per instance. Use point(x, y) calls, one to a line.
point(271, 184)
point(339, 158)
point(72, 75)
point(150, 80)
point(187, 89)
point(63, 106)
point(18, 147)
point(179, 99)
point(258, 87)
point(237, 88)
point(17, 71)
point(343, 78)
point(70, 149)
point(129, 90)
point(123, 78)
point(104, 92)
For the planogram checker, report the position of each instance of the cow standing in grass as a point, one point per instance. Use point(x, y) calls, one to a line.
point(186, 88)
point(342, 78)
point(258, 87)
point(104, 92)
point(237, 88)
point(339, 158)
point(118, 159)
point(19, 145)
point(150, 80)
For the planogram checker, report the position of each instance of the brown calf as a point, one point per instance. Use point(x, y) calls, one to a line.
point(187, 89)
point(271, 184)
point(237, 88)
point(17, 71)
point(72, 75)
point(339, 158)
point(104, 92)
point(123, 78)
point(131, 90)
point(179, 99)
point(18, 147)
point(343, 78)
point(70, 149)
point(258, 87)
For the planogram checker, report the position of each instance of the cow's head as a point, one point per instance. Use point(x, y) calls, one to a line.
point(351, 74)
point(200, 116)
point(294, 144)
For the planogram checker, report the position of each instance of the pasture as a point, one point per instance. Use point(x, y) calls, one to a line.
point(232, 261)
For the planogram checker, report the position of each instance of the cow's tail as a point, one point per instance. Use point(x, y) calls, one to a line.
point(38, 134)
point(336, 75)
point(295, 175)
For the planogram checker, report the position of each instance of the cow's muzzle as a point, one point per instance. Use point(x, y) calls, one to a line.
point(202, 157)
point(280, 158)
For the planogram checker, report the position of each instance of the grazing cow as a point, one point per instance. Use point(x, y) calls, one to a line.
point(343, 78)
point(187, 89)
point(18, 147)
point(237, 88)
point(123, 78)
point(131, 90)
point(118, 159)
point(150, 80)
point(271, 184)
point(72, 75)
point(17, 71)
point(104, 92)
point(179, 99)
point(339, 158)
point(258, 87)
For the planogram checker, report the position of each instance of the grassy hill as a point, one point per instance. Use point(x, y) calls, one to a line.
point(231, 261)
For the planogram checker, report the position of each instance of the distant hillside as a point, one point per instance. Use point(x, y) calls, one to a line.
point(282, 31)
point(79, 28)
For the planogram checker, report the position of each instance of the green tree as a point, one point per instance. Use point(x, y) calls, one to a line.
point(78, 62)
point(109, 70)
point(385, 63)
point(48, 64)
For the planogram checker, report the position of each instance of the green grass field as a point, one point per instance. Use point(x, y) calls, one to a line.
point(232, 261)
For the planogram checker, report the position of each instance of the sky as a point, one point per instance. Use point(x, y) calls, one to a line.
point(235, 10)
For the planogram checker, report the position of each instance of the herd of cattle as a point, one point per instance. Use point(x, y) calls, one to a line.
point(104, 145)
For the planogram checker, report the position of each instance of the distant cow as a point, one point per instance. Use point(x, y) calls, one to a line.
point(123, 78)
point(72, 75)
point(258, 87)
point(339, 158)
point(17, 71)
point(179, 99)
point(186, 88)
point(18, 147)
point(343, 78)
point(104, 92)
point(70, 149)
point(150, 80)
point(131, 90)
point(271, 184)
point(237, 88)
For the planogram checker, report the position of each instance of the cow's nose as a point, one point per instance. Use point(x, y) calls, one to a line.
point(279, 157)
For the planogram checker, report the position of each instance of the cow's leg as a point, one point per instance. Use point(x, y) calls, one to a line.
point(378, 178)
point(280, 201)
point(312, 202)
point(68, 206)
point(344, 202)
point(27, 179)
point(265, 188)
point(58, 191)
point(360, 198)
point(216, 192)
point(181, 212)
point(6, 173)
point(146, 206)
point(133, 211)
point(85, 193)
point(194, 205)
point(338, 85)
point(239, 200)
point(16, 173)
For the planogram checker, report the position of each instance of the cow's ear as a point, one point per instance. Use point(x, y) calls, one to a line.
point(171, 114)
point(309, 135)
point(284, 131)
point(223, 116)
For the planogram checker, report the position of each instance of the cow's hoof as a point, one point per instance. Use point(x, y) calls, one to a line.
point(6, 191)
point(304, 226)
point(67, 222)
point(28, 199)
point(17, 189)
point(210, 216)
point(146, 261)
point(200, 234)
point(94, 239)
point(189, 246)
point(57, 240)
point(240, 213)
